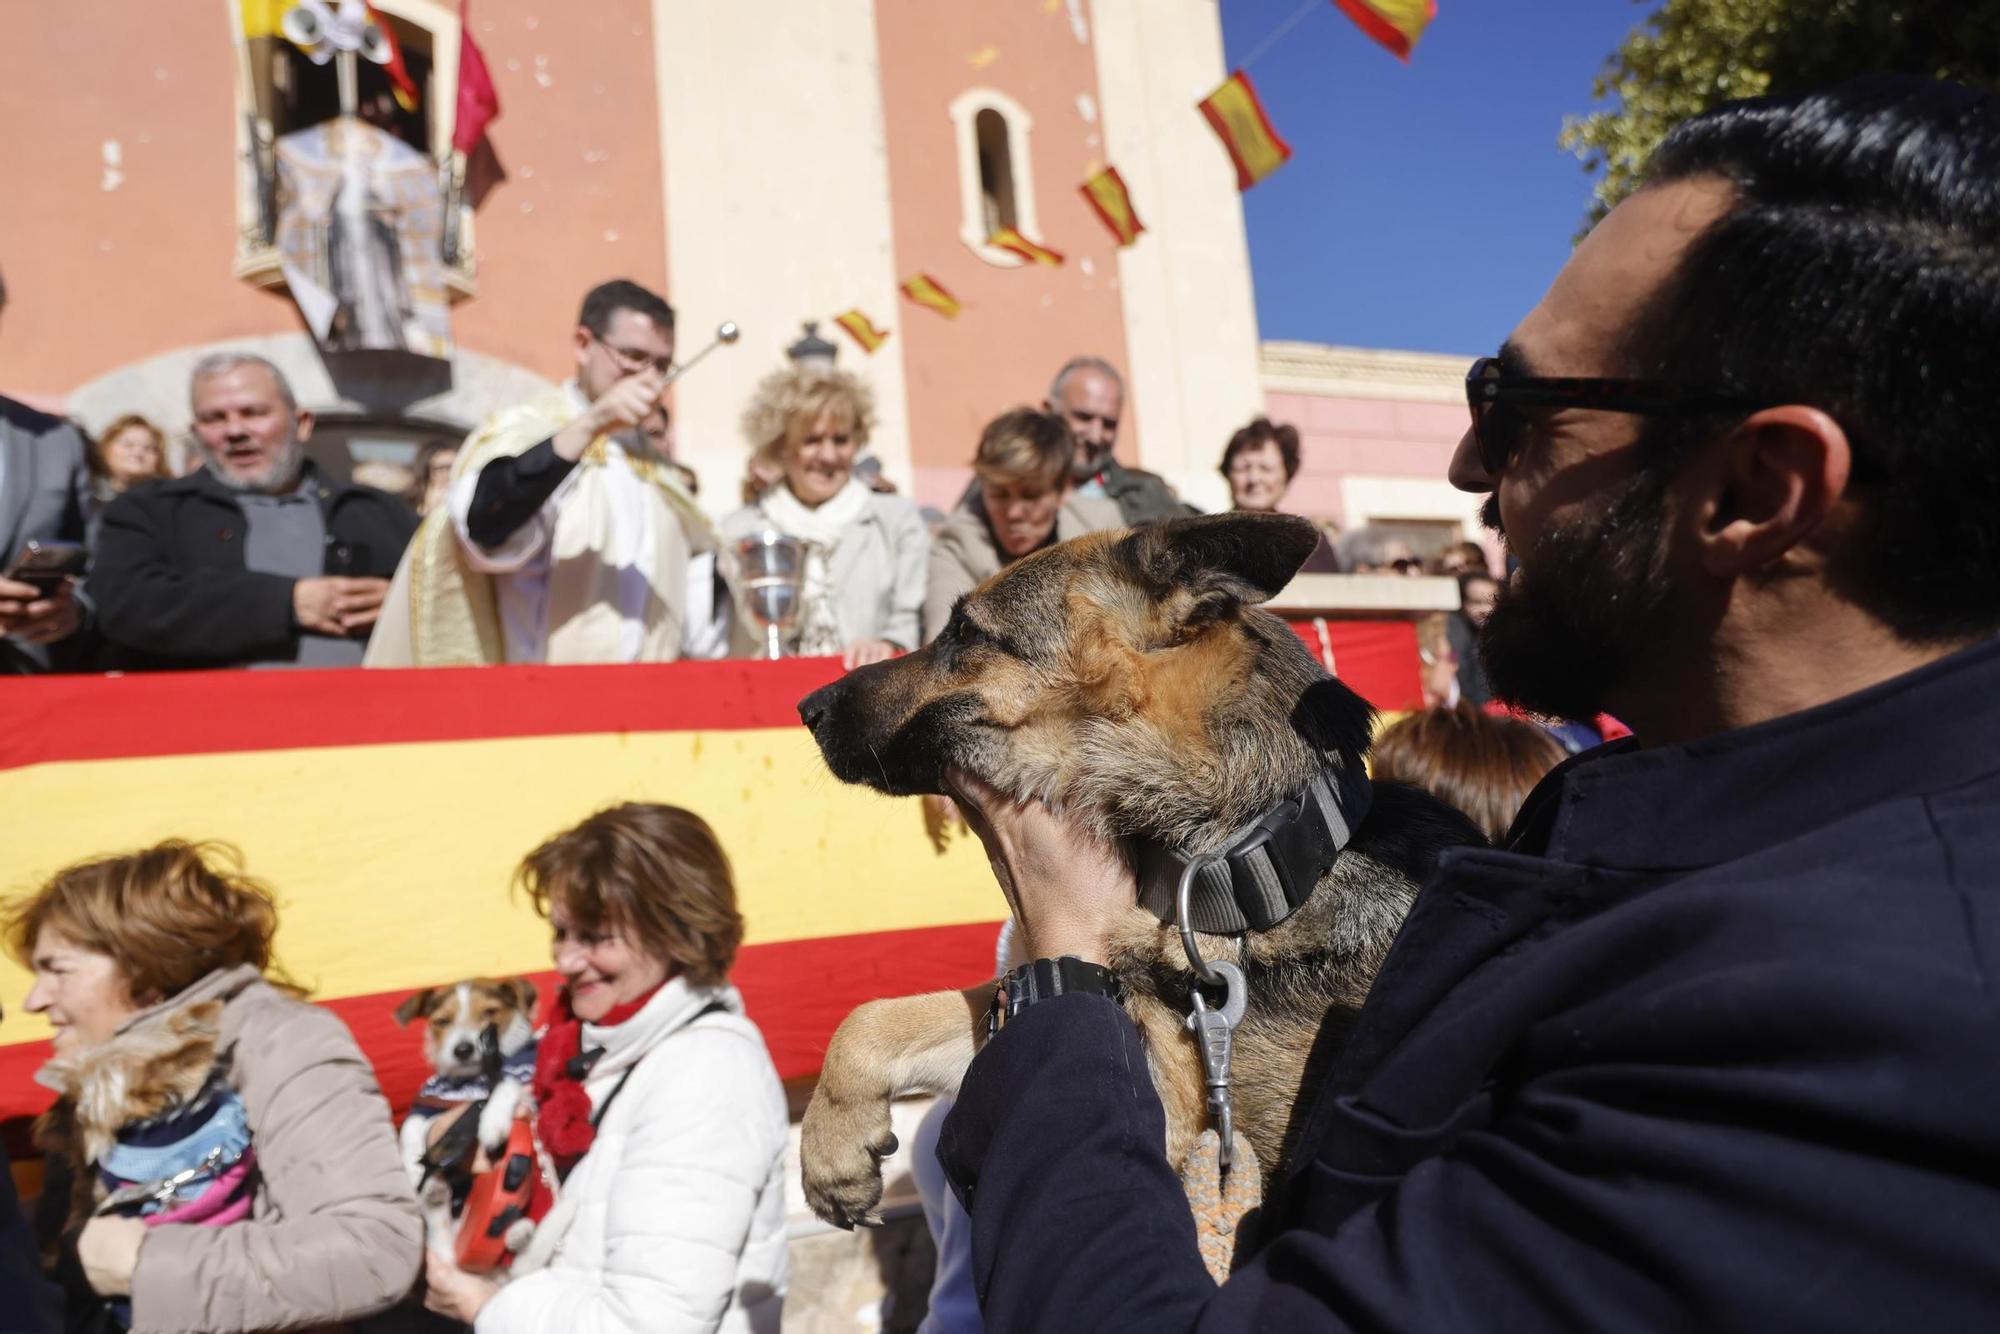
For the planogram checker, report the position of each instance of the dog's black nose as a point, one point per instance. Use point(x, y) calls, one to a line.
point(817, 705)
point(464, 1051)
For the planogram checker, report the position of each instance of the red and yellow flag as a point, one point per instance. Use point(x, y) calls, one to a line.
point(1011, 241)
point(1238, 119)
point(862, 330)
point(400, 81)
point(1110, 200)
point(1396, 24)
point(928, 291)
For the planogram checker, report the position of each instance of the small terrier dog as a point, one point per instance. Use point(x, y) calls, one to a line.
point(493, 1075)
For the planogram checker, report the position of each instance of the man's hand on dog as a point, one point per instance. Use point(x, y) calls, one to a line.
point(1068, 888)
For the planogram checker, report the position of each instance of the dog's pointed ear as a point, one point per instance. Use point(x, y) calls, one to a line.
point(415, 1004)
point(522, 992)
point(1252, 556)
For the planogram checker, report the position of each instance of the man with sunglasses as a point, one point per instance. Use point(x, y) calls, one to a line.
point(554, 506)
point(1713, 1043)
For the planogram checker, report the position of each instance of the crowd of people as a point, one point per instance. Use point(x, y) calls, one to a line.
point(562, 530)
point(1705, 1039)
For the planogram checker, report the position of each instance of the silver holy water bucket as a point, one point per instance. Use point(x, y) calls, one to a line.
point(769, 570)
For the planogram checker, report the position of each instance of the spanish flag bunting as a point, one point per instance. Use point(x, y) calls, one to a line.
point(928, 291)
point(1010, 240)
point(1396, 24)
point(862, 330)
point(1238, 119)
point(400, 81)
point(1110, 200)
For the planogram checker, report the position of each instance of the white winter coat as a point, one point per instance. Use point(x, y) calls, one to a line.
point(675, 1219)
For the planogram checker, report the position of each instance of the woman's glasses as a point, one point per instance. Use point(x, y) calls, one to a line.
point(1496, 399)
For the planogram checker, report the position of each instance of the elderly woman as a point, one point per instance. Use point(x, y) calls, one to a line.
point(1025, 500)
point(131, 450)
point(132, 953)
point(656, 1100)
point(864, 572)
point(1259, 464)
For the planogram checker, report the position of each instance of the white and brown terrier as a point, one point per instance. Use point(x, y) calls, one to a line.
point(468, 1070)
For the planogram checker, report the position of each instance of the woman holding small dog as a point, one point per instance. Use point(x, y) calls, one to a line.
point(265, 1190)
point(654, 1095)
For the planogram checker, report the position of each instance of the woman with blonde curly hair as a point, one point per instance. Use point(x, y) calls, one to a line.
point(864, 577)
point(171, 1038)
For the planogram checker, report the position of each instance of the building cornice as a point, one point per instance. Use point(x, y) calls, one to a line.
point(1361, 372)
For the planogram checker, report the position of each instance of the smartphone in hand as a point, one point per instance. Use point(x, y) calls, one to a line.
point(45, 565)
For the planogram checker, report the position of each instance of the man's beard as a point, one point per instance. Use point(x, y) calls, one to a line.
point(1090, 461)
point(278, 475)
point(1560, 640)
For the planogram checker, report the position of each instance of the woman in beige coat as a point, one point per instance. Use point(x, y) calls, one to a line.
point(1024, 501)
point(124, 950)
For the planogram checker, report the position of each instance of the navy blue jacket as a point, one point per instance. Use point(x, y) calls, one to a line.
point(1713, 1046)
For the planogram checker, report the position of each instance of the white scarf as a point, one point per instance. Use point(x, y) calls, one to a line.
point(819, 631)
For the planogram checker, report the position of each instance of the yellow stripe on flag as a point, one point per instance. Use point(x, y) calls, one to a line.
point(1396, 24)
point(1111, 201)
point(1010, 240)
point(928, 291)
point(1238, 119)
point(862, 330)
point(392, 863)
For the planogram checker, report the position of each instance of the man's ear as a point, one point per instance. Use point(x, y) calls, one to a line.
point(1779, 475)
point(581, 341)
point(1252, 556)
point(302, 426)
point(414, 1005)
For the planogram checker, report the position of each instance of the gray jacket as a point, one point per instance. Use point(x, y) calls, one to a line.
point(44, 496)
point(333, 1232)
point(877, 568)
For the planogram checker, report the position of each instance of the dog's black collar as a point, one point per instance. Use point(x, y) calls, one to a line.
point(1268, 867)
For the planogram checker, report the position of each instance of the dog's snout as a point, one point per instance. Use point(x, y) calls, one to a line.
point(816, 706)
point(464, 1051)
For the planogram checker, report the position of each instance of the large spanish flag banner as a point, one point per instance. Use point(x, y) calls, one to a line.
point(1396, 24)
point(1238, 119)
point(388, 810)
point(1108, 198)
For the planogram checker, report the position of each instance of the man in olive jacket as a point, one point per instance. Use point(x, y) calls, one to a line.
point(255, 560)
point(1713, 1043)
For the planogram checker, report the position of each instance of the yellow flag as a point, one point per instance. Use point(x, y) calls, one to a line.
point(928, 291)
point(1396, 24)
point(862, 330)
point(1110, 200)
point(261, 18)
point(1238, 119)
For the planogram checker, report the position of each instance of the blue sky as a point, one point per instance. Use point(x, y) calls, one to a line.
point(1426, 206)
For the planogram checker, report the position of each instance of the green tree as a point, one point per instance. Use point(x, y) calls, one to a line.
point(1692, 54)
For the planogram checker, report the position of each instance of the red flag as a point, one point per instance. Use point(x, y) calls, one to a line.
point(478, 103)
point(1396, 24)
point(400, 81)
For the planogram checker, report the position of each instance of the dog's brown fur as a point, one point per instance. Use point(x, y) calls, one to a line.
point(1130, 680)
point(148, 1072)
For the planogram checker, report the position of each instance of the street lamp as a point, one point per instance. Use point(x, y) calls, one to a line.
point(812, 350)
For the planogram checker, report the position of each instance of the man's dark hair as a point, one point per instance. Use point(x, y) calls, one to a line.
point(607, 299)
point(1858, 271)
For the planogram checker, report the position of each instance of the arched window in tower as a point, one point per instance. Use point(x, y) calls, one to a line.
point(996, 171)
point(996, 179)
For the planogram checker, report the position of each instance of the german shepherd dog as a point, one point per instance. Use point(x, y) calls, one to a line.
point(1130, 680)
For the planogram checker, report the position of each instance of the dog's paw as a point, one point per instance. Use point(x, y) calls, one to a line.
point(519, 1233)
point(496, 1119)
point(841, 1148)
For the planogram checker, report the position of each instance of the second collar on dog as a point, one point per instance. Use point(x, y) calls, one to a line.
point(1269, 867)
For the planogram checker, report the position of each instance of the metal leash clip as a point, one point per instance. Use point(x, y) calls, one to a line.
point(1214, 1029)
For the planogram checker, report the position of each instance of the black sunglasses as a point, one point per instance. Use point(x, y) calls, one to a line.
point(1495, 398)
